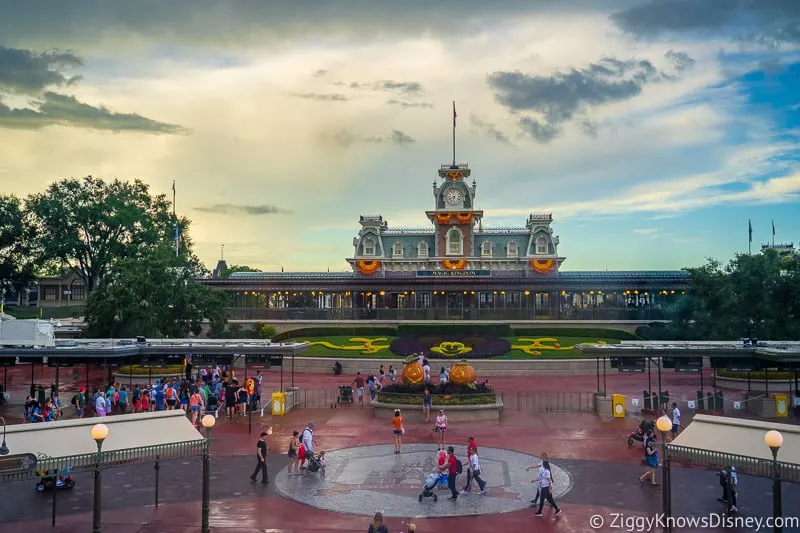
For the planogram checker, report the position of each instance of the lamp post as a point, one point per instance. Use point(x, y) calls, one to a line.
point(99, 434)
point(208, 422)
point(3, 447)
point(774, 440)
point(664, 425)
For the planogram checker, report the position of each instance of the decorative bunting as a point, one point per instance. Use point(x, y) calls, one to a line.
point(368, 268)
point(464, 218)
point(444, 218)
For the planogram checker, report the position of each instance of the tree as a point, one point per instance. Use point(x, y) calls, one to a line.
point(226, 272)
point(155, 295)
point(16, 263)
point(88, 224)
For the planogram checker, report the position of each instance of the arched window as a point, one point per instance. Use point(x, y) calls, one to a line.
point(486, 249)
point(369, 246)
point(541, 246)
point(455, 242)
point(422, 249)
point(397, 249)
point(512, 249)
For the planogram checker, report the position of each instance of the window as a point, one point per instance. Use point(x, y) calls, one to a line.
point(78, 292)
point(422, 249)
point(455, 242)
point(369, 247)
point(486, 248)
point(397, 250)
point(512, 249)
point(50, 293)
point(541, 246)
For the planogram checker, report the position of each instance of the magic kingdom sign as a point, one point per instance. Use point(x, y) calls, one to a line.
point(453, 273)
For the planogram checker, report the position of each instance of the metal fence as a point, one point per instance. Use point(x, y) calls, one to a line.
point(29, 466)
point(744, 464)
point(574, 402)
point(316, 398)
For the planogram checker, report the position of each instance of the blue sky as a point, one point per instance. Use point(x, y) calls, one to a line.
point(653, 131)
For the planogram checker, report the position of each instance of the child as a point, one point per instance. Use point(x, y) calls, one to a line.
point(322, 459)
point(144, 402)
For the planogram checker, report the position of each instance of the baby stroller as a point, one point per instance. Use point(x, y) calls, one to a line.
point(213, 403)
point(431, 480)
point(315, 464)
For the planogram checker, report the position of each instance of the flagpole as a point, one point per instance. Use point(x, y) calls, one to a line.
point(454, 133)
point(749, 237)
point(175, 217)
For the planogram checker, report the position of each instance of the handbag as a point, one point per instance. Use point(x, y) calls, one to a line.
point(402, 430)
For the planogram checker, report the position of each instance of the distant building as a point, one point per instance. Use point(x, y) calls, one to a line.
point(781, 248)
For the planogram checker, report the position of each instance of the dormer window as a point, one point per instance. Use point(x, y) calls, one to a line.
point(486, 249)
point(397, 250)
point(422, 249)
point(455, 242)
point(512, 249)
point(369, 247)
point(541, 246)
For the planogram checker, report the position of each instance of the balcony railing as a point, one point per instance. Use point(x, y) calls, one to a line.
point(307, 313)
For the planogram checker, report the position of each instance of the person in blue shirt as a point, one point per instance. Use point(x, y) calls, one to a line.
point(160, 399)
point(123, 400)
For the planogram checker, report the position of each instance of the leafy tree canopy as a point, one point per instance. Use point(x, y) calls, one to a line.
point(16, 263)
point(226, 273)
point(154, 295)
point(88, 224)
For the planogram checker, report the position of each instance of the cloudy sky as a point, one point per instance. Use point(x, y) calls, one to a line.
point(652, 130)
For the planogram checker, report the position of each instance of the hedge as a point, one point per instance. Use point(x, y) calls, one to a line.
point(756, 376)
point(417, 330)
point(356, 331)
point(600, 333)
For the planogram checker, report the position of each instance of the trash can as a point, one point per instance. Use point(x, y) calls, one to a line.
point(278, 403)
point(618, 405)
point(781, 404)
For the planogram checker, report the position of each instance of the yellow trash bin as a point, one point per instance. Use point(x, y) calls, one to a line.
point(618, 405)
point(278, 403)
point(781, 405)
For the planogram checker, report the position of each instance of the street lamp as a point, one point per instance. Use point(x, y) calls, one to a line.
point(3, 447)
point(664, 425)
point(99, 434)
point(774, 440)
point(207, 422)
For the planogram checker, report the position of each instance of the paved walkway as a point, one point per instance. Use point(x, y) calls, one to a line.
point(602, 469)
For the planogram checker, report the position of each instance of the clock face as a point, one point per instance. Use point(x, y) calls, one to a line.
point(453, 196)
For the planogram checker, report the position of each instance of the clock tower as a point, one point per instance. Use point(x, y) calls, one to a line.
point(454, 215)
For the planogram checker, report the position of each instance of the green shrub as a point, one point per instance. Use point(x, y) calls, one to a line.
point(599, 333)
point(756, 376)
point(421, 330)
point(266, 332)
point(138, 370)
point(355, 331)
point(471, 399)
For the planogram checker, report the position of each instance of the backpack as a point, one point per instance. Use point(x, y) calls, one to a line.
point(459, 467)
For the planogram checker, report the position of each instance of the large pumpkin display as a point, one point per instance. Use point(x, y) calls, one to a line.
point(412, 371)
point(462, 373)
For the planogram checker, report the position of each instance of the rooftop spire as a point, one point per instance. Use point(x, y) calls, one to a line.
point(454, 133)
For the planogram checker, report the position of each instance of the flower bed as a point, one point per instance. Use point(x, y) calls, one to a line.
point(449, 394)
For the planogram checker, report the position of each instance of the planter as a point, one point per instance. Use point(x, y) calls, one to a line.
point(455, 413)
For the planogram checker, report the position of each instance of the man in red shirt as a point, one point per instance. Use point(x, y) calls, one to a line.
point(472, 446)
point(451, 465)
point(358, 384)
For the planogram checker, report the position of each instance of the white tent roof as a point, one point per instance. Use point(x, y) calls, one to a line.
point(739, 437)
point(73, 437)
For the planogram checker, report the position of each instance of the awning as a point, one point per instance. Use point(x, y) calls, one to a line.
point(73, 437)
point(715, 441)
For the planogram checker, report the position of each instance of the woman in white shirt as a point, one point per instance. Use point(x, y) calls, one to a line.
point(441, 427)
point(546, 488)
point(100, 405)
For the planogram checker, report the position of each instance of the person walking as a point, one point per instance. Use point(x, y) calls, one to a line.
point(294, 462)
point(261, 455)
point(378, 525)
point(397, 430)
point(451, 466)
point(651, 463)
point(358, 384)
point(426, 405)
point(441, 427)
point(544, 464)
point(676, 421)
point(728, 479)
point(474, 471)
point(546, 490)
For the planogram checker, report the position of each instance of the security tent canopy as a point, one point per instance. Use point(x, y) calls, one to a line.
point(716, 441)
point(132, 438)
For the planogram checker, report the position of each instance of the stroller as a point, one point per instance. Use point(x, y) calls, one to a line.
point(315, 464)
point(640, 433)
point(213, 404)
point(431, 480)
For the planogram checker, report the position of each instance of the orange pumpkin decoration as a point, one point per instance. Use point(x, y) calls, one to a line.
point(542, 266)
point(454, 264)
point(462, 373)
point(412, 371)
